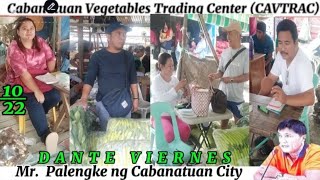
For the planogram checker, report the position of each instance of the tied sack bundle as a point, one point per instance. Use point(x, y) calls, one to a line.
point(200, 100)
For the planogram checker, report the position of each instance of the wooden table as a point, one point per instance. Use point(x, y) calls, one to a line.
point(257, 72)
point(266, 124)
point(65, 107)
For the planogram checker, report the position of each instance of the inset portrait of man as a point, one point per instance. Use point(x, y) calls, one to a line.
point(293, 158)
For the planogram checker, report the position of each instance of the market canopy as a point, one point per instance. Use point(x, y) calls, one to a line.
point(224, 20)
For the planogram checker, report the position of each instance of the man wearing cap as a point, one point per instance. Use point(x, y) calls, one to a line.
point(110, 66)
point(293, 67)
point(263, 44)
point(237, 72)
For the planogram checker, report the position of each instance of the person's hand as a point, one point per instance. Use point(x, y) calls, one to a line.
point(213, 76)
point(82, 102)
point(285, 178)
point(186, 92)
point(226, 80)
point(135, 105)
point(39, 96)
point(181, 84)
point(272, 171)
point(278, 94)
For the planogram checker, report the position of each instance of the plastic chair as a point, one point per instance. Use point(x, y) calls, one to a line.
point(157, 109)
point(305, 113)
point(22, 121)
point(144, 106)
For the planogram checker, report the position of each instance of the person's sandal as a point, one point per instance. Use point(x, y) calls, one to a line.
point(52, 142)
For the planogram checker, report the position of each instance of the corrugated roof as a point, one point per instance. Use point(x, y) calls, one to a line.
point(142, 21)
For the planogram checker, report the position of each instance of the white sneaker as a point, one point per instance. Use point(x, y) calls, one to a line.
point(52, 142)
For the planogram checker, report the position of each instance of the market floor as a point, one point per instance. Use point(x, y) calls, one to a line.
point(31, 135)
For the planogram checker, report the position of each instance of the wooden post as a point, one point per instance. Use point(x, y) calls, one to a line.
point(183, 45)
point(58, 43)
point(53, 38)
point(207, 37)
point(184, 32)
point(80, 47)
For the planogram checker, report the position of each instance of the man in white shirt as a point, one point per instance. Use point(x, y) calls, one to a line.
point(293, 67)
point(233, 78)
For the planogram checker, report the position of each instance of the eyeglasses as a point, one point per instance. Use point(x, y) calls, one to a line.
point(287, 78)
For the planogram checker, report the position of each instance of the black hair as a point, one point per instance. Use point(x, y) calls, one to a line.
point(139, 48)
point(262, 26)
point(288, 25)
point(19, 23)
point(168, 25)
point(162, 60)
point(294, 125)
point(147, 49)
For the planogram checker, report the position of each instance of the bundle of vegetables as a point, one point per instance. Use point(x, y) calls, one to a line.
point(124, 129)
point(122, 151)
point(81, 122)
point(124, 135)
point(244, 110)
point(235, 140)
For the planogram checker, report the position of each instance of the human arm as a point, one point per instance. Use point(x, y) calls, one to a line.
point(89, 81)
point(302, 99)
point(267, 84)
point(51, 65)
point(85, 94)
point(28, 81)
point(309, 175)
point(236, 79)
point(16, 59)
point(133, 81)
point(160, 92)
point(221, 68)
point(49, 55)
point(180, 85)
point(271, 173)
point(135, 96)
point(312, 174)
point(216, 75)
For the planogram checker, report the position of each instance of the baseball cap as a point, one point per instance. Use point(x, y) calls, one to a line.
point(116, 25)
point(233, 26)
